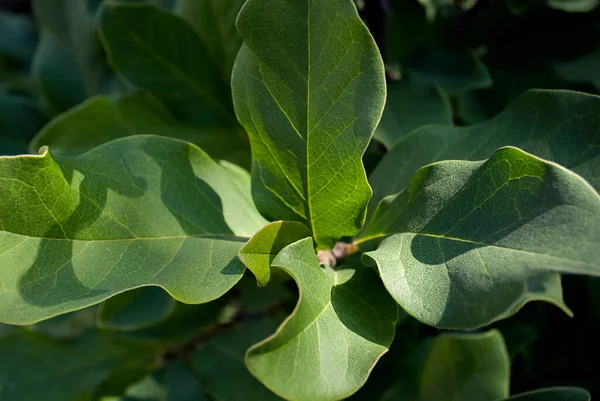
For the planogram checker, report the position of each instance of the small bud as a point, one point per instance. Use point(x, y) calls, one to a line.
point(326, 258)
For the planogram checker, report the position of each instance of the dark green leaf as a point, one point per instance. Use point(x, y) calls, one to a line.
point(407, 30)
point(581, 69)
point(432, 6)
point(453, 70)
point(343, 322)
point(574, 6)
point(222, 358)
point(35, 367)
point(154, 50)
point(560, 126)
point(107, 118)
point(554, 394)
point(18, 38)
point(214, 22)
point(173, 383)
point(137, 211)
point(465, 367)
point(308, 76)
point(20, 120)
point(411, 105)
point(69, 63)
point(259, 252)
point(135, 309)
point(471, 242)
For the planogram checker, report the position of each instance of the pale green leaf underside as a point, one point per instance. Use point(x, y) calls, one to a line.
point(259, 252)
point(142, 210)
point(308, 87)
point(465, 367)
point(470, 242)
point(560, 126)
point(154, 50)
point(553, 394)
point(104, 118)
point(343, 322)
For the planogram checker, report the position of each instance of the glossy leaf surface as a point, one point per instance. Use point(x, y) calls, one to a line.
point(308, 75)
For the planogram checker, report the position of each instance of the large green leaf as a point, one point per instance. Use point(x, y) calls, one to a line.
point(259, 252)
point(465, 367)
point(560, 126)
point(214, 21)
point(411, 105)
point(471, 242)
point(154, 50)
point(69, 63)
point(308, 87)
point(343, 322)
point(222, 358)
point(554, 394)
point(103, 119)
point(35, 367)
point(142, 210)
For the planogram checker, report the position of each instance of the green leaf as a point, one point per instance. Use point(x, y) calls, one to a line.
point(135, 309)
point(173, 383)
point(582, 69)
point(154, 50)
point(407, 30)
point(20, 120)
point(341, 326)
point(35, 367)
point(554, 394)
point(259, 252)
point(471, 242)
point(18, 38)
point(411, 105)
point(138, 211)
point(222, 358)
point(257, 299)
point(107, 118)
point(432, 6)
point(465, 367)
point(214, 22)
point(455, 71)
point(574, 6)
point(69, 63)
point(308, 76)
point(560, 126)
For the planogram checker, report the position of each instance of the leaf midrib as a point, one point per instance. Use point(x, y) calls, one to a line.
point(482, 244)
point(166, 237)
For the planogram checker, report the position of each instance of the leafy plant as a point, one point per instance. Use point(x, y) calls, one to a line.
point(139, 200)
